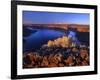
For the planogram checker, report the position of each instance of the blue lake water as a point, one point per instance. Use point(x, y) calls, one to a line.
point(34, 38)
point(41, 36)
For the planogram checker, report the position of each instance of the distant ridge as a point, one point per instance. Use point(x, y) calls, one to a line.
point(79, 27)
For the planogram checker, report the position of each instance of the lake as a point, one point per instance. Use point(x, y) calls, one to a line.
point(41, 36)
point(34, 38)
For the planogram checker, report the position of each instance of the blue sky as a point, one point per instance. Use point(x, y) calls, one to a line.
point(32, 17)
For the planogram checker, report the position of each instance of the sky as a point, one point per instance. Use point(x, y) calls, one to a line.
point(33, 17)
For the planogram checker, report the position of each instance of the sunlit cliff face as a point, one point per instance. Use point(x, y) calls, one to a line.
point(60, 42)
